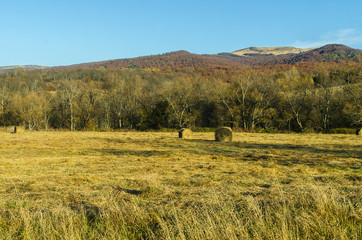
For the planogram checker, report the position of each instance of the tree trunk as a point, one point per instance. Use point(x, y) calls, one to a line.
point(71, 117)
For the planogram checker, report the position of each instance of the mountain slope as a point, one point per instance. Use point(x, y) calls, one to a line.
point(26, 67)
point(269, 51)
point(331, 52)
point(173, 60)
point(185, 60)
point(327, 53)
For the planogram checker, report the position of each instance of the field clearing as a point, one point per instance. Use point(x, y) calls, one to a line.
point(143, 185)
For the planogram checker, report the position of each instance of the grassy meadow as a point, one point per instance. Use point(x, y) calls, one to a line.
point(151, 185)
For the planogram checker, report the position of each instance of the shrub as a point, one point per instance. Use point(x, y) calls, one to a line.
point(342, 131)
point(269, 130)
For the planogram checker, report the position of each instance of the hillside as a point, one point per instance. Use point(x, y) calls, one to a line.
point(26, 67)
point(327, 53)
point(173, 60)
point(331, 52)
point(269, 51)
point(263, 56)
point(145, 99)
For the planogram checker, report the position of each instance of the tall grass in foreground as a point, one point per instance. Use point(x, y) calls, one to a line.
point(307, 213)
point(88, 185)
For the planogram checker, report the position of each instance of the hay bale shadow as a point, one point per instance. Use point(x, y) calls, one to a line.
point(130, 191)
point(143, 153)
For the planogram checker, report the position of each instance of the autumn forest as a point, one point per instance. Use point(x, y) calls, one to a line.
point(305, 97)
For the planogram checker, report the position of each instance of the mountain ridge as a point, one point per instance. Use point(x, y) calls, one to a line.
point(182, 59)
point(327, 53)
point(270, 51)
point(25, 67)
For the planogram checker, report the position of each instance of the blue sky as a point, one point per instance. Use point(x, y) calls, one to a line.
point(67, 32)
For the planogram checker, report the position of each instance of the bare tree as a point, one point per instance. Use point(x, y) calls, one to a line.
point(87, 100)
point(296, 94)
point(30, 108)
point(261, 98)
point(243, 85)
point(181, 96)
point(70, 90)
point(4, 100)
point(353, 106)
point(47, 100)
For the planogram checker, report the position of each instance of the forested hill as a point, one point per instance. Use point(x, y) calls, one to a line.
point(172, 60)
point(185, 60)
point(327, 53)
point(302, 97)
point(332, 52)
point(317, 90)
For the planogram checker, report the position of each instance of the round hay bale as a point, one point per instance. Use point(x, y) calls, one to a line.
point(11, 129)
point(224, 134)
point(358, 131)
point(185, 133)
point(16, 129)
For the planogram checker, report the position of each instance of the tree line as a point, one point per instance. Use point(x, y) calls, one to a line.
point(304, 97)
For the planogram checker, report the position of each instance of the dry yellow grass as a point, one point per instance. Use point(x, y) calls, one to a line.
point(118, 185)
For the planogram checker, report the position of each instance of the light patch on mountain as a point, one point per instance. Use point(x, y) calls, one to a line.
point(26, 67)
point(270, 51)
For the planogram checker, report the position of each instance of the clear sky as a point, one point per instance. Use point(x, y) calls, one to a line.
point(63, 32)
